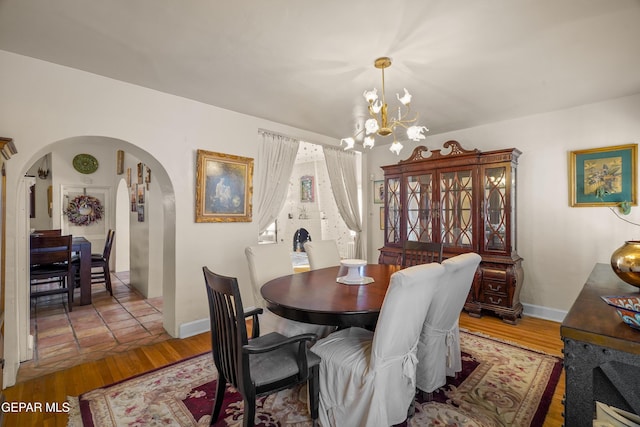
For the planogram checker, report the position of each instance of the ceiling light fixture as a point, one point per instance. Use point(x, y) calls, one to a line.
point(379, 123)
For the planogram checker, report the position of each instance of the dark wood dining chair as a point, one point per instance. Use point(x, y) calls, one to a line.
point(258, 366)
point(414, 253)
point(51, 270)
point(101, 263)
point(56, 232)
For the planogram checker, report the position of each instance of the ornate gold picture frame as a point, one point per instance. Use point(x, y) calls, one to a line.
point(224, 187)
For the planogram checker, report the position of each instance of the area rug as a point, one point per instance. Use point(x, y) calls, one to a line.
point(502, 384)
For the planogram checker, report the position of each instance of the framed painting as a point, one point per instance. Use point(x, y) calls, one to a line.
point(306, 189)
point(140, 188)
point(603, 176)
point(378, 192)
point(224, 187)
point(133, 198)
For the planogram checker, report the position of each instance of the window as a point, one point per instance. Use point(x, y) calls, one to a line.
point(270, 235)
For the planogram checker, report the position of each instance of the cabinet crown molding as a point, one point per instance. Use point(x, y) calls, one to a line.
point(456, 150)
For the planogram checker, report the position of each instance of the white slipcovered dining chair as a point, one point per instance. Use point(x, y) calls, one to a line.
point(267, 262)
point(322, 254)
point(368, 378)
point(439, 347)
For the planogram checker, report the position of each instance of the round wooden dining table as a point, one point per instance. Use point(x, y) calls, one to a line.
point(315, 296)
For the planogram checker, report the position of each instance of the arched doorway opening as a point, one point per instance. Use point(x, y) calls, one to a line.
point(152, 239)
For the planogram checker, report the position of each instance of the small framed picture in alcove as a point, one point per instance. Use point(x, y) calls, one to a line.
point(140, 172)
point(378, 192)
point(140, 188)
point(133, 198)
point(306, 189)
point(140, 213)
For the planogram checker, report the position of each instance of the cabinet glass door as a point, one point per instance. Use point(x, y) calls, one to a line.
point(419, 219)
point(456, 208)
point(392, 223)
point(495, 214)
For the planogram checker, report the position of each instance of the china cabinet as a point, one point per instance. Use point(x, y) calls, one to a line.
point(465, 199)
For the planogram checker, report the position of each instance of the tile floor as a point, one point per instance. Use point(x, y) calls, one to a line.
point(109, 325)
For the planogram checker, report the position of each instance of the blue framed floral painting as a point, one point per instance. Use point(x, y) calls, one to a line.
point(604, 176)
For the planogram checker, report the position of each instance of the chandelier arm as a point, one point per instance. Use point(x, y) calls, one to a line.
point(372, 114)
point(403, 119)
point(404, 123)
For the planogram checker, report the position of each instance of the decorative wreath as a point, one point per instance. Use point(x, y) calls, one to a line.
point(84, 210)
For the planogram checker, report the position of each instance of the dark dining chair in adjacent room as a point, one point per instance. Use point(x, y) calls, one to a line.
point(100, 262)
point(258, 366)
point(414, 253)
point(51, 270)
point(55, 232)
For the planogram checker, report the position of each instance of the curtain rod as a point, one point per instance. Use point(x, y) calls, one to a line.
point(263, 131)
point(270, 132)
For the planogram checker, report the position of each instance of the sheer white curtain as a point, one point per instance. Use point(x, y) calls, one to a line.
point(277, 155)
point(344, 183)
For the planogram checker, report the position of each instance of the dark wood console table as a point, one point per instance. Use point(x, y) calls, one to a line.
point(601, 353)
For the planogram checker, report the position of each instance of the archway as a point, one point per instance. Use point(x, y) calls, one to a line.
point(160, 231)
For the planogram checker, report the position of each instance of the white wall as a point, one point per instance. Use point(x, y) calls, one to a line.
point(120, 250)
point(43, 103)
point(560, 244)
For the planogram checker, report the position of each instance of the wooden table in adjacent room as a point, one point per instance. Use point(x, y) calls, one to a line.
point(316, 297)
point(83, 247)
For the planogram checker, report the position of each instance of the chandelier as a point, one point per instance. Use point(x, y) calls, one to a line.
point(380, 123)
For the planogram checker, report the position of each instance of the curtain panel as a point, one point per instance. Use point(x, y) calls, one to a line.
point(344, 183)
point(277, 156)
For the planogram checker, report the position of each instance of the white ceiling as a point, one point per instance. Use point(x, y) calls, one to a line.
point(307, 63)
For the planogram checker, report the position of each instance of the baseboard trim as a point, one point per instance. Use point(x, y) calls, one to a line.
point(200, 326)
point(544, 312)
point(196, 327)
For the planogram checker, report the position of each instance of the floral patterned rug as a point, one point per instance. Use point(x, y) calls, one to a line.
point(501, 384)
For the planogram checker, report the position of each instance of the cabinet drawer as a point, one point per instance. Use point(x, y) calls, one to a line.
point(496, 299)
point(494, 274)
point(494, 287)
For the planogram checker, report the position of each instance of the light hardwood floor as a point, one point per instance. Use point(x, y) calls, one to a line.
point(530, 332)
